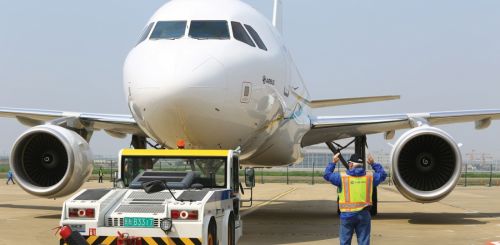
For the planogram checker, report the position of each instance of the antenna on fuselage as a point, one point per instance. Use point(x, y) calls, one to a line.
point(278, 15)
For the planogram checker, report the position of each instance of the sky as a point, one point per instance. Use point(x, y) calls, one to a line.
point(438, 55)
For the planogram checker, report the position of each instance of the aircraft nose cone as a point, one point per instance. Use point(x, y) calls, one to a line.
point(177, 95)
point(149, 67)
point(174, 68)
point(207, 72)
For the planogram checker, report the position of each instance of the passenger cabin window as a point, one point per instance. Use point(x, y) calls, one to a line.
point(146, 32)
point(256, 37)
point(240, 34)
point(209, 29)
point(169, 30)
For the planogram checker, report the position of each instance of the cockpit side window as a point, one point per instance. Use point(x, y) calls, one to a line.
point(240, 34)
point(169, 30)
point(146, 32)
point(256, 37)
point(209, 29)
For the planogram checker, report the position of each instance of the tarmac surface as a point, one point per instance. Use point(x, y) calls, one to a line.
point(298, 214)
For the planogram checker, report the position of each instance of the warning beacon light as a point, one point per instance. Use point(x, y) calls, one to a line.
point(181, 144)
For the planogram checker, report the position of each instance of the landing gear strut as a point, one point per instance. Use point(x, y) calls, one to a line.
point(138, 142)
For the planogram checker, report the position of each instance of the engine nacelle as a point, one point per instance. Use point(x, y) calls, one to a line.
point(51, 161)
point(426, 164)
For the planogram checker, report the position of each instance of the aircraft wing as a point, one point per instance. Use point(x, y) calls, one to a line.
point(329, 128)
point(350, 101)
point(115, 125)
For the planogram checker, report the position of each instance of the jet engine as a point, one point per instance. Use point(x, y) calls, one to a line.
point(51, 161)
point(426, 164)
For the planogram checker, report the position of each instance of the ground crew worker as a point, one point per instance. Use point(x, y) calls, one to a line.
point(100, 175)
point(354, 189)
point(10, 177)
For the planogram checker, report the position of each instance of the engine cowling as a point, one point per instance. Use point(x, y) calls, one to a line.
point(426, 164)
point(51, 161)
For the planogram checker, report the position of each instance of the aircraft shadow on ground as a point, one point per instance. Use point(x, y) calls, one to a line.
point(51, 208)
point(283, 222)
point(311, 221)
point(53, 216)
point(439, 218)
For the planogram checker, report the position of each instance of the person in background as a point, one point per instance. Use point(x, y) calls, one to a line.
point(354, 188)
point(10, 177)
point(100, 174)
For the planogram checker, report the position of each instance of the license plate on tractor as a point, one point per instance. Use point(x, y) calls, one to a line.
point(138, 222)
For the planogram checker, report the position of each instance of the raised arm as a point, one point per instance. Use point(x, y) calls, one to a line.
point(329, 174)
point(380, 174)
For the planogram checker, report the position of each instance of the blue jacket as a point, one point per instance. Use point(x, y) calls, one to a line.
point(335, 178)
point(10, 174)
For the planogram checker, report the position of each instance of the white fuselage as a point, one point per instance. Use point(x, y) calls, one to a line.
point(194, 89)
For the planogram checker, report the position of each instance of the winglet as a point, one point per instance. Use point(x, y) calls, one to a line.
point(350, 101)
point(278, 15)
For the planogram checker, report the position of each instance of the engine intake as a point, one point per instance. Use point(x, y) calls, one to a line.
point(51, 161)
point(426, 164)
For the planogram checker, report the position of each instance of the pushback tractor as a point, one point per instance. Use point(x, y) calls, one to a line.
point(163, 197)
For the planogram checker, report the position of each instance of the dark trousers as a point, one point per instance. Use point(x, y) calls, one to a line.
point(361, 224)
point(10, 179)
point(100, 179)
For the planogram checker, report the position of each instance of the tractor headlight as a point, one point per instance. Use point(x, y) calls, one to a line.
point(166, 224)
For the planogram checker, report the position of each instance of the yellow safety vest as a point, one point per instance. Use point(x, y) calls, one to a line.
point(356, 192)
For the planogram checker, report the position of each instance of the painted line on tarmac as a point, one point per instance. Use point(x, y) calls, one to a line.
point(256, 207)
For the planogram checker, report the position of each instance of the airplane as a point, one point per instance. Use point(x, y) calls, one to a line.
point(222, 78)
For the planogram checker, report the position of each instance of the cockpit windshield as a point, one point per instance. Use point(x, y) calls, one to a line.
point(169, 30)
point(177, 172)
point(256, 37)
point(209, 29)
point(146, 32)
